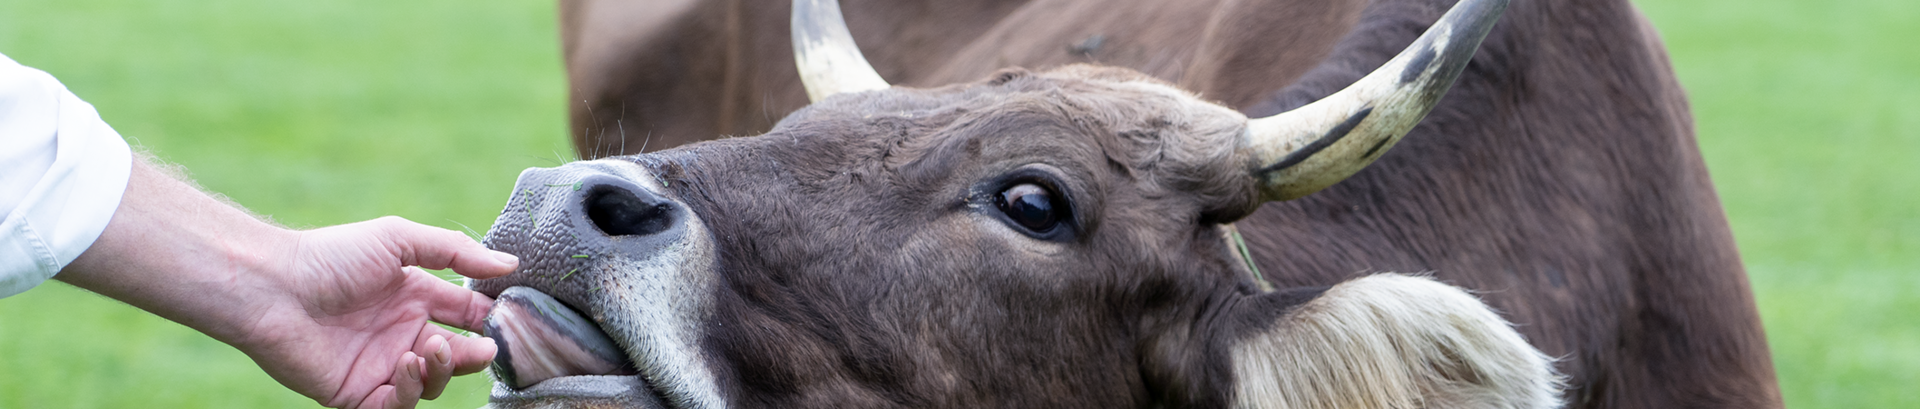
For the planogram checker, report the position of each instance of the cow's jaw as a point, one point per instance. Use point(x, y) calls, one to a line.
point(647, 286)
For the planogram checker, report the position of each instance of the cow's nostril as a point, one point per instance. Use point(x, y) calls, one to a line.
point(618, 212)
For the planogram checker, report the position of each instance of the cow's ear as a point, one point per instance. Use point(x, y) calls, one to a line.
point(1387, 341)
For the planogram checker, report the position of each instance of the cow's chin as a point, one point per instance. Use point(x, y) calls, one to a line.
point(579, 391)
point(550, 356)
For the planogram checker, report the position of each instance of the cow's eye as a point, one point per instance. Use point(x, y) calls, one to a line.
point(1030, 205)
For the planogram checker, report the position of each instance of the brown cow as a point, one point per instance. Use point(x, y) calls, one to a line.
point(1559, 179)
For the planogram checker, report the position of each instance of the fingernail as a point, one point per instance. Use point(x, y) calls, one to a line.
point(419, 366)
point(489, 342)
point(505, 258)
point(444, 354)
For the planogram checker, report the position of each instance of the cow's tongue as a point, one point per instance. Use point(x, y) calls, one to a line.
point(541, 339)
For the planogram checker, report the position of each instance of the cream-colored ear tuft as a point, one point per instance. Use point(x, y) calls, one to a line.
point(1392, 341)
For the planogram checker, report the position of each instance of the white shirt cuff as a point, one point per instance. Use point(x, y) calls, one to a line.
point(69, 205)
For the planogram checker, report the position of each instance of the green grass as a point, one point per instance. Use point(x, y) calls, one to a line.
point(316, 113)
point(1809, 116)
point(329, 112)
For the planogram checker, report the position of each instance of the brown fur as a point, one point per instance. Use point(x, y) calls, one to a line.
point(857, 259)
point(1559, 178)
point(901, 296)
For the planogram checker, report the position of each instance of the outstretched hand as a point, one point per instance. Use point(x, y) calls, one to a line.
point(352, 327)
point(339, 314)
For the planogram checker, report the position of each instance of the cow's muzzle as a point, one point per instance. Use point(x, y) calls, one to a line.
point(613, 286)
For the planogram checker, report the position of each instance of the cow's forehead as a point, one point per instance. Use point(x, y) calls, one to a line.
point(1117, 95)
point(1080, 118)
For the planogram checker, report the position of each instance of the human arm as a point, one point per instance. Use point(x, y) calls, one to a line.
point(331, 313)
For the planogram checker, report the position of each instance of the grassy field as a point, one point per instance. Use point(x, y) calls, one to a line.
point(316, 113)
point(1809, 116)
point(328, 112)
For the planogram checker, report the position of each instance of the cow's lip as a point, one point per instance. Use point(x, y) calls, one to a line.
point(622, 388)
point(629, 391)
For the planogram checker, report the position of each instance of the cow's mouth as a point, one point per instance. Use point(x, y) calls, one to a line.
point(542, 339)
point(547, 351)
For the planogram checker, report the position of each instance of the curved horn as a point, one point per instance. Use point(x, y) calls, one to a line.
point(824, 51)
point(1301, 151)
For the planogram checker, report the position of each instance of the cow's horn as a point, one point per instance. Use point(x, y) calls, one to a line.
point(824, 51)
point(1301, 151)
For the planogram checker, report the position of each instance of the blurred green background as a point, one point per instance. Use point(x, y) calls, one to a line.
point(313, 112)
point(336, 111)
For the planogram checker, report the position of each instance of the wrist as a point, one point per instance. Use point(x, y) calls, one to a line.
point(248, 288)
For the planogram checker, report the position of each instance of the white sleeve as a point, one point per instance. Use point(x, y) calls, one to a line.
point(62, 172)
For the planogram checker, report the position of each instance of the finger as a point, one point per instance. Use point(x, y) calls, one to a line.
point(472, 354)
point(436, 248)
point(439, 365)
point(378, 399)
point(448, 303)
point(467, 354)
point(406, 384)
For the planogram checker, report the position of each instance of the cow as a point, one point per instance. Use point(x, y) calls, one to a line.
point(875, 248)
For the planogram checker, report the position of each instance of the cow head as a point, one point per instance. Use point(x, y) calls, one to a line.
point(1034, 239)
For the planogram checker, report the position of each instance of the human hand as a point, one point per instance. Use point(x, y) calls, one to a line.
point(347, 322)
point(337, 314)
